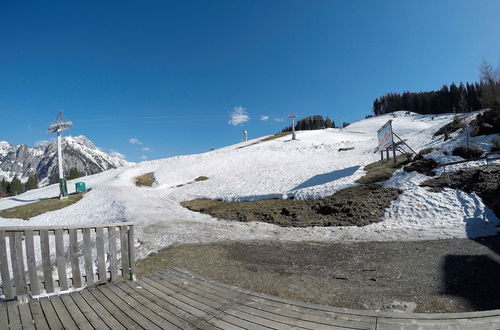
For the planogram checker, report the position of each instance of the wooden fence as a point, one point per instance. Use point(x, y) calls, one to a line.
point(22, 278)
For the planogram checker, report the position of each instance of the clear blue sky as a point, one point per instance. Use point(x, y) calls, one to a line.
point(170, 73)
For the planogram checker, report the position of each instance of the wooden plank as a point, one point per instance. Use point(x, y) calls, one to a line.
point(64, 316)
point(93, 317)
point(75, 260)
point(13, 315)
point(157, 304)
point(221, 324)
point(30, 256)
point(113, 267)
point(266, 322)
point(50, 314)
point(212, 293)
point(234, 321)
point(46, 263)
point(129, 306)
point(146, 307)
point(124, 251)
point(187, 304)
point(131, 252)
point(17, 258)
point(75, 312)
point(104, 313)
point(61, 261)
point(111, 306)
point(26, 318)
point(4, 319)
point(38, 316)
point(101, 261)
point(166, 301)
point(282, 314)
point(191, 290)
point(8, 289)
point(87, 255)
point(312, 311)
point(206, 286)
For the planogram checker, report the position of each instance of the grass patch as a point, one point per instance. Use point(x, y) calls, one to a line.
point(383, 169)
point(201, 178)
point(33, 209)
point(145, 180)
point(356, 206)
point(275, 136)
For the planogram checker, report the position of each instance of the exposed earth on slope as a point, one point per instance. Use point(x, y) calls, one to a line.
point(484, 181)
point(452, 275)
point(355, 206)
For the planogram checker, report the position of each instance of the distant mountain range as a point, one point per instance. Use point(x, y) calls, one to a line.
point(78, 152)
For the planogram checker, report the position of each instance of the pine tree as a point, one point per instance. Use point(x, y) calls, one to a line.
point(16, 186)
point(32, 182)
point(4, 187)
point(329, 123)
point(73, 174)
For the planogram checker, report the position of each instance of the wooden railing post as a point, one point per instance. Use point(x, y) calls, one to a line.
point(4, 268)
point(131, 252)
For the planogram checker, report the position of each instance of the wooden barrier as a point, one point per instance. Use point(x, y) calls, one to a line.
point(22, 279)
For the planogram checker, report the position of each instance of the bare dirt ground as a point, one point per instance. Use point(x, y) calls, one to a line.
point(421, 276)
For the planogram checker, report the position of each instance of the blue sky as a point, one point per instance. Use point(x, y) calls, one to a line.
point(170, 73)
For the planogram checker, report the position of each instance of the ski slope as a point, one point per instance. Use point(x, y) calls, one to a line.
point(310, 167)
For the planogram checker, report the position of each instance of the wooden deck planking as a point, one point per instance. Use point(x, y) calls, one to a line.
point(176, 299)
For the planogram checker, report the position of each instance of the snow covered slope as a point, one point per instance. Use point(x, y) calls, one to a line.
point(309, 167)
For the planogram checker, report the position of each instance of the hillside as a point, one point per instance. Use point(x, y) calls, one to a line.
point(310, 167)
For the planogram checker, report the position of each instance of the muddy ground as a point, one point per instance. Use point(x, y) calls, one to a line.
point(356, 206)
point(421, 276)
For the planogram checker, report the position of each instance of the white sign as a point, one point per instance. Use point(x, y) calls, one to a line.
point(384, 135)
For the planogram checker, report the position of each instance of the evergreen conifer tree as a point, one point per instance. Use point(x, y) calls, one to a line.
point(16, 186)
point(32, 182)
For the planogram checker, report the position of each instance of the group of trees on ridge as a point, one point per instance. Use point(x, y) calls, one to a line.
point(16, 187)
point(312, 123)
point(452, 98)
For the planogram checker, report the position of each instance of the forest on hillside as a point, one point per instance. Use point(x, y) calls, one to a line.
point(452, 98)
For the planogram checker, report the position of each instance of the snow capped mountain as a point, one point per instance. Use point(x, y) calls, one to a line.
point(78, 151)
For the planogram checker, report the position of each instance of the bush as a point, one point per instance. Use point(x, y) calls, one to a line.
point(487, 123)
point(467, 153)
point(201, 178)
point(496, 145)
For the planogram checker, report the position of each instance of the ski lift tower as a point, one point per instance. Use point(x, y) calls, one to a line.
point(292, 117)
point(58, 127)
point(245, 135)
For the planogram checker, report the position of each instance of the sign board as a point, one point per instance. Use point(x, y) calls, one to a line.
point(384, 135)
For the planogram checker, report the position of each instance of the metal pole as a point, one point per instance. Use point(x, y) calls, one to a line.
point(59, 155)
point(394, 152)
point(293, 129)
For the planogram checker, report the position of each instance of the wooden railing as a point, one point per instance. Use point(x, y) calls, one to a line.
point(29, 276)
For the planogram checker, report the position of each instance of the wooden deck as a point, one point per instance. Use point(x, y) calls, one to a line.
point(176, 299)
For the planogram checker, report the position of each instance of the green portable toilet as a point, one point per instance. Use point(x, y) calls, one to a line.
point(80, 187)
